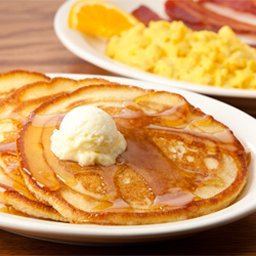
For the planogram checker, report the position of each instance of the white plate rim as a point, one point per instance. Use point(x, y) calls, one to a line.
point(242, 208)
point(62, 32)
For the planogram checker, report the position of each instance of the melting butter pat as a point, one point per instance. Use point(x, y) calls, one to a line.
point(89, 136)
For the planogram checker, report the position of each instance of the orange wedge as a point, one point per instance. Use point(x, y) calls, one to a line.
point(99, 18)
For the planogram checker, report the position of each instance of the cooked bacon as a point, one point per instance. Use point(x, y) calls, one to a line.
point(145, 14)
point(248, 6)
point(197, 16)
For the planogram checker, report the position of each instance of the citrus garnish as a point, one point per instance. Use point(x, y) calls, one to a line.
point(99, 18)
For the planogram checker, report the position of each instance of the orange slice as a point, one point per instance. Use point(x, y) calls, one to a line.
point(99, 18)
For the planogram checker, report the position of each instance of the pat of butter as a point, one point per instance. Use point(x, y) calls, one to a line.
point(89, 136)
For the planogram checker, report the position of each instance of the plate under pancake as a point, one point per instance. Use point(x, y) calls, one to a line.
point(95, 234)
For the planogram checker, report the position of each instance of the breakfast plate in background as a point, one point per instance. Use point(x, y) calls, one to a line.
point(92, 49)
point(90, 233)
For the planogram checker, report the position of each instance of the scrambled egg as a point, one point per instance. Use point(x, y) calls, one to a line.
point(172, 50)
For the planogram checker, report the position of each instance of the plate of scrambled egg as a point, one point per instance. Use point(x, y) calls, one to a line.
point(217, 64)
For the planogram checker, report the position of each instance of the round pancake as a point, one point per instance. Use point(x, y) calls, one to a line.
point(180, 163)
point(21, 96)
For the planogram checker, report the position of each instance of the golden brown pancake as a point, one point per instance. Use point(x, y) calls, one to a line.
point(13, 80)
point(13, 189)
point(179, 163)
point(20, 97)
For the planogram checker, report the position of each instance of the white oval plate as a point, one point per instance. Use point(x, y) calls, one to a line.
point(92, 50)
point(244, 128)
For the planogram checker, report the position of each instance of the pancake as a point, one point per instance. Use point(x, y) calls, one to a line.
point(10, 178)
point(13, 80)
point(18, 101)
point(179, 163)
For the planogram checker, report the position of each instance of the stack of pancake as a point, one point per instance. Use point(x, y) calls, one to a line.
point(179, 163)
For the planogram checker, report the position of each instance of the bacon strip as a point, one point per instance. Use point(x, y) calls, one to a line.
point(145, 14)
point(197, 16)
point(248, 6)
